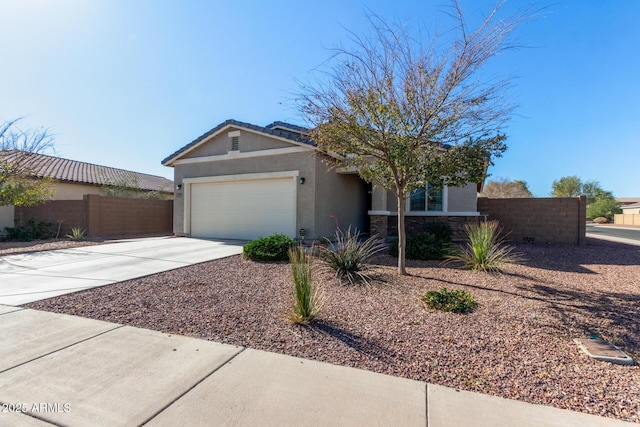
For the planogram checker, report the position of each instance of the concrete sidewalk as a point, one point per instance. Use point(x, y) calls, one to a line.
point(64, 370)
point(31, 277)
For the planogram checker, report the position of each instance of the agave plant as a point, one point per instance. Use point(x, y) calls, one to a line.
point(485, 250)
point(350, 257)
point(77, 234)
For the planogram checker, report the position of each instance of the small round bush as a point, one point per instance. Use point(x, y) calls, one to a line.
point(420, 246)
point(445, 300)
point(272, 248)
point(441, 230)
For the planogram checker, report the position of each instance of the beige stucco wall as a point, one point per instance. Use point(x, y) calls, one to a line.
point(248, 141)
point(324, 193)
point(463, 199)
point(74, 191)
point(68, 191)
point(341, 197)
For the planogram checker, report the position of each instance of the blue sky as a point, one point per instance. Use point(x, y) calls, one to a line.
point(125, 83)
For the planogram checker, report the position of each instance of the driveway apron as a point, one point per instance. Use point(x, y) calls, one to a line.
point(35, 276)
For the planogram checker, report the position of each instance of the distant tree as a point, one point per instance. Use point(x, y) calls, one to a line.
point(600, 202)
point(567, 186)
point(503, 188)
point(18, 185)
point(594, 192)
point(404, 113)
point(605, 207)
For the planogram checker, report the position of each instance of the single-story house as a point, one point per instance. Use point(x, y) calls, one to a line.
point(242, 181)
point(633, 208)
point(72, 180)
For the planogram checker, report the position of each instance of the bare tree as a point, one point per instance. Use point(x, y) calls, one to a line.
point(18, 184)
point(504, 188)
point(404, 112)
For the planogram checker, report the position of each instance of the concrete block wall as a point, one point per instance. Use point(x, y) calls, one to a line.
point(67, 213)
point(103, 216)
point(530, 220)
point(538, 220)
point(626, 219)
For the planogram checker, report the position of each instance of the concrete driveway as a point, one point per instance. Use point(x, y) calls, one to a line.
point(35, 276)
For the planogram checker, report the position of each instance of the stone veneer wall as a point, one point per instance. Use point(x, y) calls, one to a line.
point(526, 220)
point(386, 226)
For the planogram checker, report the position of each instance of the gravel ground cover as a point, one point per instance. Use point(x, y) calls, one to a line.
point(516, 344)
point(13, 248)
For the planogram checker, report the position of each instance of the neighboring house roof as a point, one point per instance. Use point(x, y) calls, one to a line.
point(631, 206)
point(284, 130)
point(42, 165)
point(627, 200)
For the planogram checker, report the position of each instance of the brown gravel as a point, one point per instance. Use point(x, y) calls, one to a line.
point(13, 248)
point(517, 343)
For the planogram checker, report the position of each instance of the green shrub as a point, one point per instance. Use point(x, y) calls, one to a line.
point(445, 300)
point(603, 208)
point(485, 250)
point(30, 231)
point(306, 302)
point(441, 230)
point(350, 257)
point(421, 246)
point(77, 234)
point(272, 248)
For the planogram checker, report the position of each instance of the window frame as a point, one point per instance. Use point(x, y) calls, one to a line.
point(426, 211)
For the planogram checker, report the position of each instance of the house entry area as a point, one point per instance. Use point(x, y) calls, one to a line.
point(235, 207)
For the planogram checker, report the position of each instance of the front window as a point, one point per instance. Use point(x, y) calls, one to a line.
point(428, 198)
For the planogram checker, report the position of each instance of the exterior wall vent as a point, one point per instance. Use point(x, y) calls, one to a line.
point(235, 140)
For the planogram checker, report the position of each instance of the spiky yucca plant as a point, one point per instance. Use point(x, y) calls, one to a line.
point(77, 234)
point(485, 250)
point(349, 257)
point(307, 302)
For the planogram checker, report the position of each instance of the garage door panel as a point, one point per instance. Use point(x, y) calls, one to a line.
point(243, 209)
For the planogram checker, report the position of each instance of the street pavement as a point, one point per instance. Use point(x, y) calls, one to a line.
point(613, 233)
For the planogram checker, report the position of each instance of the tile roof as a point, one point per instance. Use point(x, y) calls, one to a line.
point(42, 165)
point(280, 129)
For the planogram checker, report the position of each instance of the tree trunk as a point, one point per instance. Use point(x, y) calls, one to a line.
point(402, 236)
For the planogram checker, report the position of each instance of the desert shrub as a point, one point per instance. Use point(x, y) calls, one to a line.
point(306, 302)
point(449, 300)
point(349, 256)
point(606, 207)
point(441, 230)
point(424, 246)
point(273, 248)
point(485, 249)
point(31, 231)
point(77, 234)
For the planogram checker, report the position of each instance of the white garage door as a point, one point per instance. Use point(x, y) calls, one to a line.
point(243, 209)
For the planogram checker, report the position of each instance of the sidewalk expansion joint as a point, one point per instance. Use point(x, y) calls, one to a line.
point(17, 308)
point(426, 404)
point(62, 348)
point(192, 387)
